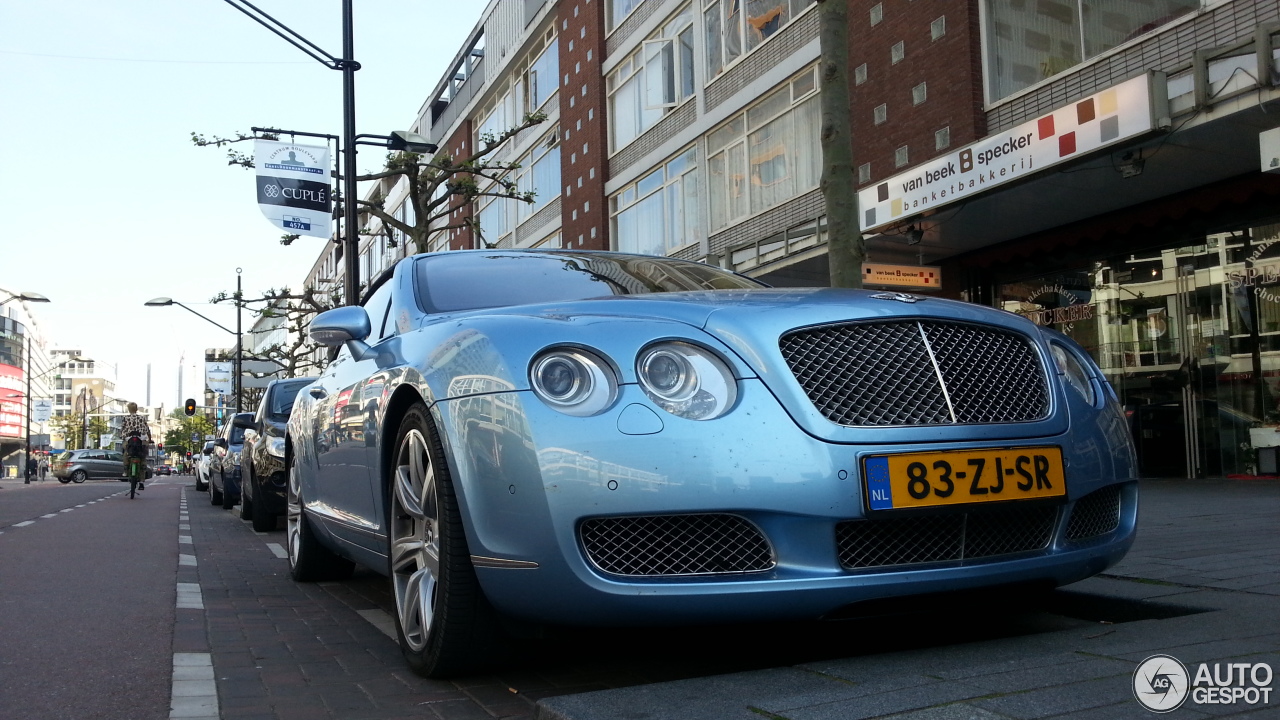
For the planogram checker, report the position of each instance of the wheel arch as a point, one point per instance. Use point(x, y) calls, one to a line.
point(402, 398)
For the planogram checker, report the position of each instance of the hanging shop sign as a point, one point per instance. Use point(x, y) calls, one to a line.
point(293, 186)
point(913, 276)
point(217, 376)
point(1112, 116)
point(41, 410)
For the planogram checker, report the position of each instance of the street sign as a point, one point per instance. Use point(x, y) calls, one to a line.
point(41, 410)
point(293, 186)
point(195, 437)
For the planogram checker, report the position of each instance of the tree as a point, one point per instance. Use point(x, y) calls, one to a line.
point(435, 185)
point(179, 438)
point(845, 248)
point(71, 428)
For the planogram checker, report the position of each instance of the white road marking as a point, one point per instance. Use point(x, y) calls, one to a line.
point(195, 691)
point(184, 526)
point(380, 619)
point(187, 560)
point(50, 515)
point(184, 540)
point(278, 550)
point(67, 510)
point(25, 523)
point(189, 596)
point(80, 505)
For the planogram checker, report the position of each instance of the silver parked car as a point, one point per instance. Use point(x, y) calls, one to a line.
point(80, 465)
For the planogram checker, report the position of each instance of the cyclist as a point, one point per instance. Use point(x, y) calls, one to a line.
point(134, 425)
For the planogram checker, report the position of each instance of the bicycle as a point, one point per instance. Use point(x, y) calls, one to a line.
point(134, 468)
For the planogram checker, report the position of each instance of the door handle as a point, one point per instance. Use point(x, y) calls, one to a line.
point(317, 393)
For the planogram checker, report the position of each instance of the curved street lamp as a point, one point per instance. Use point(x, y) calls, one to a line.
point(167, 301)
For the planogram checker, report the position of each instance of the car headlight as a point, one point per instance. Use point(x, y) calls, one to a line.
point(1070, 368)
point(573, 381)
point(275, 446)
point(686, 380)
point(235, 458)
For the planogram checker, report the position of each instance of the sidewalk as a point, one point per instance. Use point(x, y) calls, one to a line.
point(1210, 548)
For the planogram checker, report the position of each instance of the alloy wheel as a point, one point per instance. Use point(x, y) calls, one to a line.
point(294, 515)
point(415, 539)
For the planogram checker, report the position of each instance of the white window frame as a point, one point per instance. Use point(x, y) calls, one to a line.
point(661, 83)
point(722, 7)
point(631, 195)
point(742, 140)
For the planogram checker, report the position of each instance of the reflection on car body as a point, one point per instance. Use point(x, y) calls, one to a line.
point(598, 438)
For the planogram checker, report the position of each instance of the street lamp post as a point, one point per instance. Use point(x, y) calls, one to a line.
point(27, 297)
point(239, 360)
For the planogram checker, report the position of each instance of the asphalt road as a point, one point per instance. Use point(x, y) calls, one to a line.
point(87, 600)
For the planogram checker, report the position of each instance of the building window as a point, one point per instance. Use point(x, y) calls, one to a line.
point(766, 155)
point(497, 219)
point(880, 113)
point(938, 28)
point(653, 81)
point(896, 53)
point(864, 173)
point(942, 138)
point(615, 11)
point(733, 31)
point(919, 94)
point(900, 157)
point(533, 82)
point(661, 211)
point(877, 14)
point(539, 174)
point(860, 74)
point(1029, 42)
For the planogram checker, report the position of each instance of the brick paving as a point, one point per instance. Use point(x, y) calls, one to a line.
point(286, 650)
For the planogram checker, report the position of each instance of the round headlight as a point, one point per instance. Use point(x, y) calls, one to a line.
point(575, 382)
point(1070, 368)
point(686, 380)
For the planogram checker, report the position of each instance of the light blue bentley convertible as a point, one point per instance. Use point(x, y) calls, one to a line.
point(598, 438)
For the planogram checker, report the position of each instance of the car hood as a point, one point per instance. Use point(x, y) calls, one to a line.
point(752, 322)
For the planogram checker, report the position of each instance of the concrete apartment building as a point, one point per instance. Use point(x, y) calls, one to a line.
point(1096, 166)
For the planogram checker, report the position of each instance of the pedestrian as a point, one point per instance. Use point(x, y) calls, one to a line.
point(44, 468)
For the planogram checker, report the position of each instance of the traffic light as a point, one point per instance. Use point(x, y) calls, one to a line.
point(190, 407)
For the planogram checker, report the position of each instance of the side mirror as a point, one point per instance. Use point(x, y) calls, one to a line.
point(343, 326)
point(220, 442)
point(244, 422)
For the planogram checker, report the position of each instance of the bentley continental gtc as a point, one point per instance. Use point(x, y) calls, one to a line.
point(596, 438)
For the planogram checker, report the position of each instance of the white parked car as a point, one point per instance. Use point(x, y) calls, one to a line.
point(202, 467)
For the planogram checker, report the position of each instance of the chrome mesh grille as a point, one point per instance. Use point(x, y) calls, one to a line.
point(885, 373)
point(1095, 514)
point(676, 545)
point(911, 539)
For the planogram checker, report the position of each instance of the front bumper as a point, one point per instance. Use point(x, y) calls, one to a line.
point(528, 477)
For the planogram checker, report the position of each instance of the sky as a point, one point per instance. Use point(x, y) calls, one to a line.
point(106, 203)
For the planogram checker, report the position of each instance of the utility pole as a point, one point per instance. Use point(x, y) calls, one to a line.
point(26, 466)
point(239, 379)
point(350, 236)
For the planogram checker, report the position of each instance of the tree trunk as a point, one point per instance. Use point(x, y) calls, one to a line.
point(845, 249)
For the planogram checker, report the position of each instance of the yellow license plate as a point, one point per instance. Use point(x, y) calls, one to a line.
point(957, 477)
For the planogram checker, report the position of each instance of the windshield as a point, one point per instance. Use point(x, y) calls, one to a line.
point(469, 281)
point(237, 436)
point(63, 457)
point(282, 398)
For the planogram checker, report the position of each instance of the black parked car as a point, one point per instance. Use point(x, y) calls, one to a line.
point(224, 462)
point(264, 483)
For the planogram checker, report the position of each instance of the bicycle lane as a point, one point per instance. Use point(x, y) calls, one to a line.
point(87, 607)
point(286, 650)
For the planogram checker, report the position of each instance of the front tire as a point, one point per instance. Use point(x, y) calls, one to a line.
point(263, 520)
point(64, 480)
point(309, 561)
point(79, 476)
point(201, 487)
point(246, 496)
point(443, 621)
point(228, 500)
point(215, 495)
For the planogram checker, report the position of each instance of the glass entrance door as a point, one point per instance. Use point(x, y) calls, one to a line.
point(1189, 337)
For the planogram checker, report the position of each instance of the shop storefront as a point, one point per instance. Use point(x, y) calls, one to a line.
point(1187, 331)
